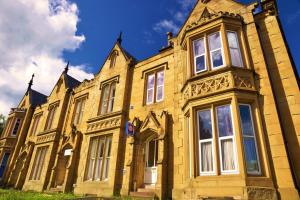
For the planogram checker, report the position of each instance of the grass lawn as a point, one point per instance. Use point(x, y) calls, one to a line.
point(9, 194)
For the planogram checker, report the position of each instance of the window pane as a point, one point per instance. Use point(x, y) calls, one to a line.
point(150, 83)
point(206, 157)
point(236, 57)
point(200, 63)
point(214, 41)
point(150, 94)
point(228, 160)
point(160, 93)
point(232, 40)
point(107, 157)
point(205, 125)
point(160, 78)
point(224, 121)
point(251, 154)
point(199, 47)
point(4, 163)
point(112, 97)
point(217, 58)
point(246, 120)
point(104, 99)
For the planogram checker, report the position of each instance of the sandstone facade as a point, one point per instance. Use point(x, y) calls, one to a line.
point(215, 114)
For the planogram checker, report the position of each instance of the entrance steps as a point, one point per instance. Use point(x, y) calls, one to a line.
point(144, 193)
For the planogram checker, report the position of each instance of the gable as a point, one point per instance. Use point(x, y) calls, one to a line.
point(204, 8)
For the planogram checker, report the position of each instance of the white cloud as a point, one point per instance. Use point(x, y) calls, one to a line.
point(179, 17)
point(33, 36)
point(166, 25)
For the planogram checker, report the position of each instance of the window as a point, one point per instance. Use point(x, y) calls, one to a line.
point(98, 158)
point(155, 87)
point(108, 96)
point(216, 50)
point(4, 163)
point(38, 163)
point(35, 124)
point(225, 137)
point(235, 52)
point(52, 111)
point(250, 147)
point(199, 55)
point(227, 149)
point(78, 112)
point(16, 127)
point(205, 142)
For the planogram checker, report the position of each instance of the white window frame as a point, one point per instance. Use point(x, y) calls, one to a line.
point(248, 136)
point(239, 48)
point(195, 57)
point(236, 171)
point(147, 89)
point(157, 86)
point(206, 141)
point(211, 51)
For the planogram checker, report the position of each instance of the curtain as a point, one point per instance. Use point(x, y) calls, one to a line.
point(206, 157)
point(227, 155)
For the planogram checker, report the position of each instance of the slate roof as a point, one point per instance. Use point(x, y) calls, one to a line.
point(37, 98)
point(71, 82)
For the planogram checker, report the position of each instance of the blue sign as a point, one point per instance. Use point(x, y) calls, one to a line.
point(129, 129)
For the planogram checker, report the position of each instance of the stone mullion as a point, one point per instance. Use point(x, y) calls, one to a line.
point(225, 46)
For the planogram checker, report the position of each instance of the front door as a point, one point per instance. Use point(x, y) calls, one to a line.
point(150, 175)
point(3, 163)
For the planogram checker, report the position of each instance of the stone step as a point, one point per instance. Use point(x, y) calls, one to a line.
point(146, 190)
point(143, 194)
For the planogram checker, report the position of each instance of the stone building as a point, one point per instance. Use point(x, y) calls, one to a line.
point(215, 114)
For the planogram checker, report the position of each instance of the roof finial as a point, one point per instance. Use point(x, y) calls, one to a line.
point(30, 83)
point(67, 68)
point(120, 38)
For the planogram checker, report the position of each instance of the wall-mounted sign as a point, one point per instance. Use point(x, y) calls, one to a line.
point(129, 129)
point(68, 152)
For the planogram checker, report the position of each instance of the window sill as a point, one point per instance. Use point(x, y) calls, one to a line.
point(104, 116)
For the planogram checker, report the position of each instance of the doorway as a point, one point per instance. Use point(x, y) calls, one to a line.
point(151, 154)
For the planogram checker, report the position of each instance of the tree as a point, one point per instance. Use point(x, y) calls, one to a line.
point(2, 123)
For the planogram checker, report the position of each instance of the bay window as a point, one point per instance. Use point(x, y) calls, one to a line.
point(208, 51)
point(155, 87)
point(250, 146)
point(220, 117)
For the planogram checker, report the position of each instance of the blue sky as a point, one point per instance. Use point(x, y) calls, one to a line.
point(101, 21)
point(41, 36)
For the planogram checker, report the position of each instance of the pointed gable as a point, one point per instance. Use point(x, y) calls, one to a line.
point(204, 9)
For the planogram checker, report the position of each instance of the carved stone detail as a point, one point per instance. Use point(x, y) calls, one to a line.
point(243, 81)
point(210, 85)
point(104, 124)
point(7, 142)
point(46, 138)
point(261, 193)
point(217, 83)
